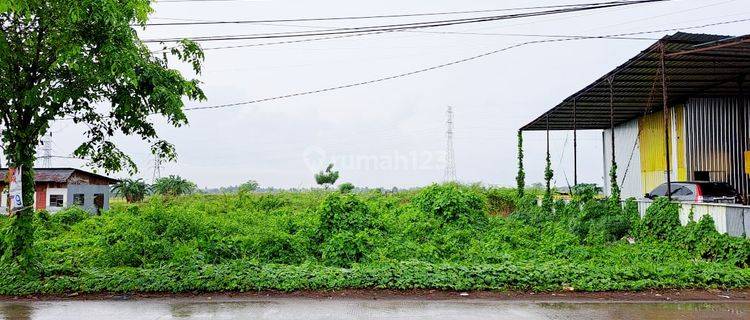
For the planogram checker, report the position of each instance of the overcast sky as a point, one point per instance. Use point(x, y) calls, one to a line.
point(393, 133)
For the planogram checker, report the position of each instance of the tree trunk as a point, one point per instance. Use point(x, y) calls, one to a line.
point(21, 237)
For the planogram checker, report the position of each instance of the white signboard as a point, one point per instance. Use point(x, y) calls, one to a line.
point(16, 188)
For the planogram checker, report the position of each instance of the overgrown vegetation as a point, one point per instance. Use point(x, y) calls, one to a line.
point(446, 236)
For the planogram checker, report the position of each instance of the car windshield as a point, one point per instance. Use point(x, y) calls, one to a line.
point(718, 189)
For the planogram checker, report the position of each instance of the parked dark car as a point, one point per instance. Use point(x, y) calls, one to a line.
point(698, 191)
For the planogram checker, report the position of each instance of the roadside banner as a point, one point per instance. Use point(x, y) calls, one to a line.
point(15, 188)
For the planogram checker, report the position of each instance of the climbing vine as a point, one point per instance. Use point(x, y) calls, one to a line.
point(548, 174)
point(615, 190)
point(521, 177)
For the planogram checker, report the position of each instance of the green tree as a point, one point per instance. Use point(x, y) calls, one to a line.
point(346, 187)
point(133, 190)
point(327, 177)
point(249, 186)
point(82, 61)
point(173, 186)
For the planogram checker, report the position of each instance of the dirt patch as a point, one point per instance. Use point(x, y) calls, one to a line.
point(741, 295)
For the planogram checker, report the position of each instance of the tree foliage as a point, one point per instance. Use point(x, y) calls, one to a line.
point(249, 186)
point(346, 187)
point(133, 190)
point(327, 177)
point(82, 61)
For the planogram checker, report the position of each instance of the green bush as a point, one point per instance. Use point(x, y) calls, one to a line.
point(661, 220)
point(705, 242)
point(346, 247)
point(339, 213)
point(67, 216)
point(452, 202)
point(585, 192)
point(501, 201)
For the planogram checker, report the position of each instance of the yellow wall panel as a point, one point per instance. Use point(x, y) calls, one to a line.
point(651, 137)
point(679, 114)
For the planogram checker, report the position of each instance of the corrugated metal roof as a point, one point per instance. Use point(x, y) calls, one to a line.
point(59, 175)
point(697, 65)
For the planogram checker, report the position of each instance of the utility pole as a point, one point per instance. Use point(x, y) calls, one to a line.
point(450, 159)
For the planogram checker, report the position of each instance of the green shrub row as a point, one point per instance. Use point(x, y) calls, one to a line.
point(446, 236)
point(244, 276)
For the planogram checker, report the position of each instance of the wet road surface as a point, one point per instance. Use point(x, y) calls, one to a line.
point(297, 308)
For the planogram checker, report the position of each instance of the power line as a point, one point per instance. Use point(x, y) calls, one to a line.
point(263, 44)
point(287, 41)
point(440, 66)
point(666, 14)
point(402, 26)
point(198, 22)
point(357, 84)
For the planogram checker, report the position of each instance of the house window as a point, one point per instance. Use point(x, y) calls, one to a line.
point(78, 199)
point(56, 200)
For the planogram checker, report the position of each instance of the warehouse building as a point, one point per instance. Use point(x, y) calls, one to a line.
point(677, 111)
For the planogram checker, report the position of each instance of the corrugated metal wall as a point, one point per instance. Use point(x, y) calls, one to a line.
point(627, 154)
point(717, 136)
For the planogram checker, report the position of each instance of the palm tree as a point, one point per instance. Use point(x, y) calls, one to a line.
point(173, 186)
point(132, 190)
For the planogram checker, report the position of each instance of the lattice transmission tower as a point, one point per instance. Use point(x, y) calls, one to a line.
point(450, 159)
point(157, 168)
point(46, 150)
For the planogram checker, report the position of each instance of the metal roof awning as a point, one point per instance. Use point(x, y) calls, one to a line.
point(697, 65)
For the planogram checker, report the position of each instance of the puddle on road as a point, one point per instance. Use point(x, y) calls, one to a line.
point(290, 309)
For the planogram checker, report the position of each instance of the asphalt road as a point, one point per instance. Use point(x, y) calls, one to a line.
point(329, 309)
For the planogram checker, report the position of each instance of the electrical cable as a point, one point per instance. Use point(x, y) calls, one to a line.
point(394, 27)
point(401, 75)
point(192, 23)
point(357, 84)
